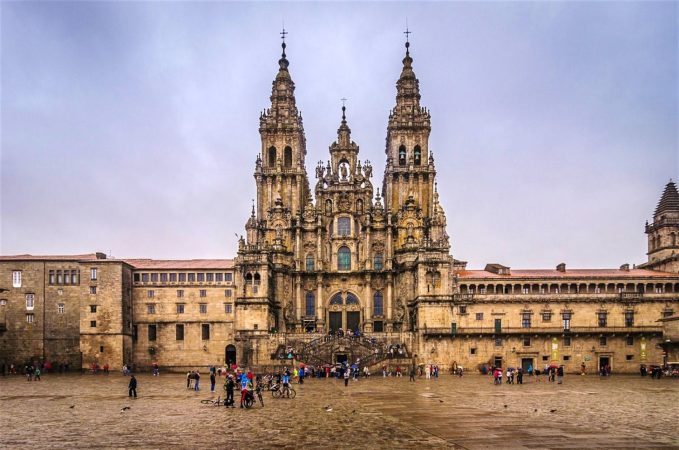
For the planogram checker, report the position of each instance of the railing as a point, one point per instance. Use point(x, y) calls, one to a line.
point(448, 331)
point(664, 221)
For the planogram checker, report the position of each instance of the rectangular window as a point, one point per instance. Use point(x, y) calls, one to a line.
point(603, 341)
point(154, 278)
point(378, 261)
point(203, 308)
point(180, 308)
point(74, 277)
point(378, 326)
point(526, 290)
point(152, 333)
point(228, 308)
point(219, 277)
point(603, 318)
point(310, 263)
point(545, 358)
point(629, 318)
point(145, 277)
point(151, 308)
point(630, 340)
point(205, 331)
point(180, 293)
point(525, 320)
point(482, 290)
point(93, 289)
point(93, 273)
point(101, 349)
point(567, 341)
point(479, 316)
point(30, 301)
point(137, 277)
point(52, 277)
point(93, 308)
point(163, 278)
point(255, 289)
point(209, 277)
point(498, 342)
point(201, 277)
point(566, 319)
point(472, 351)
point(93, 323)
point(227, 293)
point(546, 316)
point(173, 278)
point(526, 342)
point(498, 325)
point(60, 277)
point(150, 293)
point(30, 318)
point(629, 357)
point(192, 277)
point(463, 309)
point(16, 279)
point(566, 357)
point(344, 226)
point(67, 277)
point(3, 302)
point(203, 292)
point(179, 332)
point(228, 276)
point(182, 278)
point(61, 307)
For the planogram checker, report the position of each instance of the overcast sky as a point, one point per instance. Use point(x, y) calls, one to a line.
point(132, 128)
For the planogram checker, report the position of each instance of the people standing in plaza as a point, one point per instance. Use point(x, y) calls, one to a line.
point(132, 387)
point(230, 385)
point(559, 375)
point(213, 380)
point(189, 377)
point(411, 373)
point(346, 378)
point(583, 369)
point(519, 376)
point(196, 380)
point(37, 374)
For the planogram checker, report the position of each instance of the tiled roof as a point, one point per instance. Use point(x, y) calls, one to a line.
point(669, 200)
point(87, 257)
point(570, 273)
point(162, 264)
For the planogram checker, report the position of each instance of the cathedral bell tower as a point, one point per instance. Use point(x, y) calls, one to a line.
point(663, 233)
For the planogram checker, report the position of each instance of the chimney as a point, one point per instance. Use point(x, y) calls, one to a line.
point(561, 267)
point(101, 255)
point(625, 267)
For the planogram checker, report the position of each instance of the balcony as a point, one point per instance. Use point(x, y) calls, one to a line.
point(491, 331)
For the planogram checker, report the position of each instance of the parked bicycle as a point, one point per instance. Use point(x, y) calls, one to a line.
point(212, 402)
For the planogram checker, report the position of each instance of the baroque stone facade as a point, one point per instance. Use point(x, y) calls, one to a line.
point(354, 256)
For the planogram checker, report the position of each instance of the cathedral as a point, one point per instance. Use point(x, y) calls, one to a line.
point(352, 257)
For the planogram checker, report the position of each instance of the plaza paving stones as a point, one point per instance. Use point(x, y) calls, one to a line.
point(620, 412)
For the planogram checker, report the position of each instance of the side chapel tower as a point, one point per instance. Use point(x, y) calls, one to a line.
point(663, 233)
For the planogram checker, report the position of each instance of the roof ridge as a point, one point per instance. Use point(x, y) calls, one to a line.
point(669, 201)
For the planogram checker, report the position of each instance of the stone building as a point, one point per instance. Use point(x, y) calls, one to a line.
point(352, 254)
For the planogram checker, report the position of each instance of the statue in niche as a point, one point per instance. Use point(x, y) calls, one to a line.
point(344, 172)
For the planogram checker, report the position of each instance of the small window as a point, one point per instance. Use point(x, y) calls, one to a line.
point(151, 308)
point(498, 342)
point(378, 326)
point(209, 277)
point(310, 308)
point(3, 302)
point(545, 358)
point(30, 318)
point(255, 289)
point(668, 313)
point(180, 308)
point(136, 277)
point(310, 263)
point(200, 277)
point(630, 340)
point(344, 226)
point(67, 277)
point(228, 276)
point(567, 341)
point(378, 261)
point(180, 293)
point(603, 318)
point(182, 278)
point(30, 301)
point(74, 277)
point(228, 308)
point(219, 277)
point(163, 278)
point(154, 278)
point(227, 293)
point(93, 273)
point(378, 304)
point(479, 316)
point(525, 320)
point(93, 323)
point(603, 341)
point(463, 309)
point(145, 277)
point(566, 319)
point(203, 308)
point(566, 357)
point(546, 316)
point(629, 318)
point(173, 278)
point(472, 351)
point(152, 333)
point(192, 277)
point(203, 292)
point(52, 277)
point(526, 342)
point(101, 349)
point(179, 332)
point(16, 280)
point(344, 258)
point(93, 290)
point(93, 308)
point(205, 331)
point(150, 293)
point(629, 357)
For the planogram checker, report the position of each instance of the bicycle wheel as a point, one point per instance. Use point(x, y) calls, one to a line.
point(292, 393)
point(248, 402)
point(276, 393)
point(207, 402)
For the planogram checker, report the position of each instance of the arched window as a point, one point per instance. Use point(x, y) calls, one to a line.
point(402, 155)
point(336, 299)
point(272, 156)
point(310, 304)
point(248, 278)
point(352, 299)
point(378, 304)
point(258, 279)
point(287, 157)
point(310, 262)
point(344, 258)
point(377, 264)
point(418, 155)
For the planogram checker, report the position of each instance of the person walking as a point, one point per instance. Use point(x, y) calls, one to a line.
point(411, 372)
point(196, 381)
point(132, 387)
point(37, 374)
point(230, 385)
point(519, 376)
point(346, 377)
point(559, 375)
point(213, 380)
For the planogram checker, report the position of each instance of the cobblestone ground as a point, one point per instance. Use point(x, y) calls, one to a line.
point(77, 411)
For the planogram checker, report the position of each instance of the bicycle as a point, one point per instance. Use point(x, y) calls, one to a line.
point(217, 402)
point(287, 391)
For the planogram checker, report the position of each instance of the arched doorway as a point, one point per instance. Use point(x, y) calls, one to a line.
point(344, 311)
point(230, 356)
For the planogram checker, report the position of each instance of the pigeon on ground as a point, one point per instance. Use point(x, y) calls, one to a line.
point(552, 410)
point(327, 408)
point(505, 406)
point(125, 408)
point(72, 406)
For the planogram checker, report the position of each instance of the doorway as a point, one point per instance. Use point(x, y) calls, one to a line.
point(230, 356)
point(340, 358)
point(335, 321)
point(353, 320)
point(604, 361)
point(498, 361)
point(526, 363)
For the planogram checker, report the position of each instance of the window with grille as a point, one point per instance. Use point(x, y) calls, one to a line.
point(378, 304)
point(30, 318)
point(525, 320)
point(30, 301)
point(603, 318)
point(378, 261)
point(310, 266)
point(151, 308)
point(546, 316)
point(228, 308)
point(61, 308)
point(344, 226)
point(180, 308)
point(16, 278)
point(310, 309)
point(566, 320)
point(203, 308)
point(344, 259)
point(629, 318)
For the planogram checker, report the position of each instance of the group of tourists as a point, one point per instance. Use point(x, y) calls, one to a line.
point(515, 375)
point(43, 367)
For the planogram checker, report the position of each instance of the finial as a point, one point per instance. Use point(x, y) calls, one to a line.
point(344, 109)
point(407, 32)
point(283, 33)
point(253, 207)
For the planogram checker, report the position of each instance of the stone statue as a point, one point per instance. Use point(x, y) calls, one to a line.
point(289, 313)
point(368, 169)
point(344, 171)
point(400, 311)
point(319, 171)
